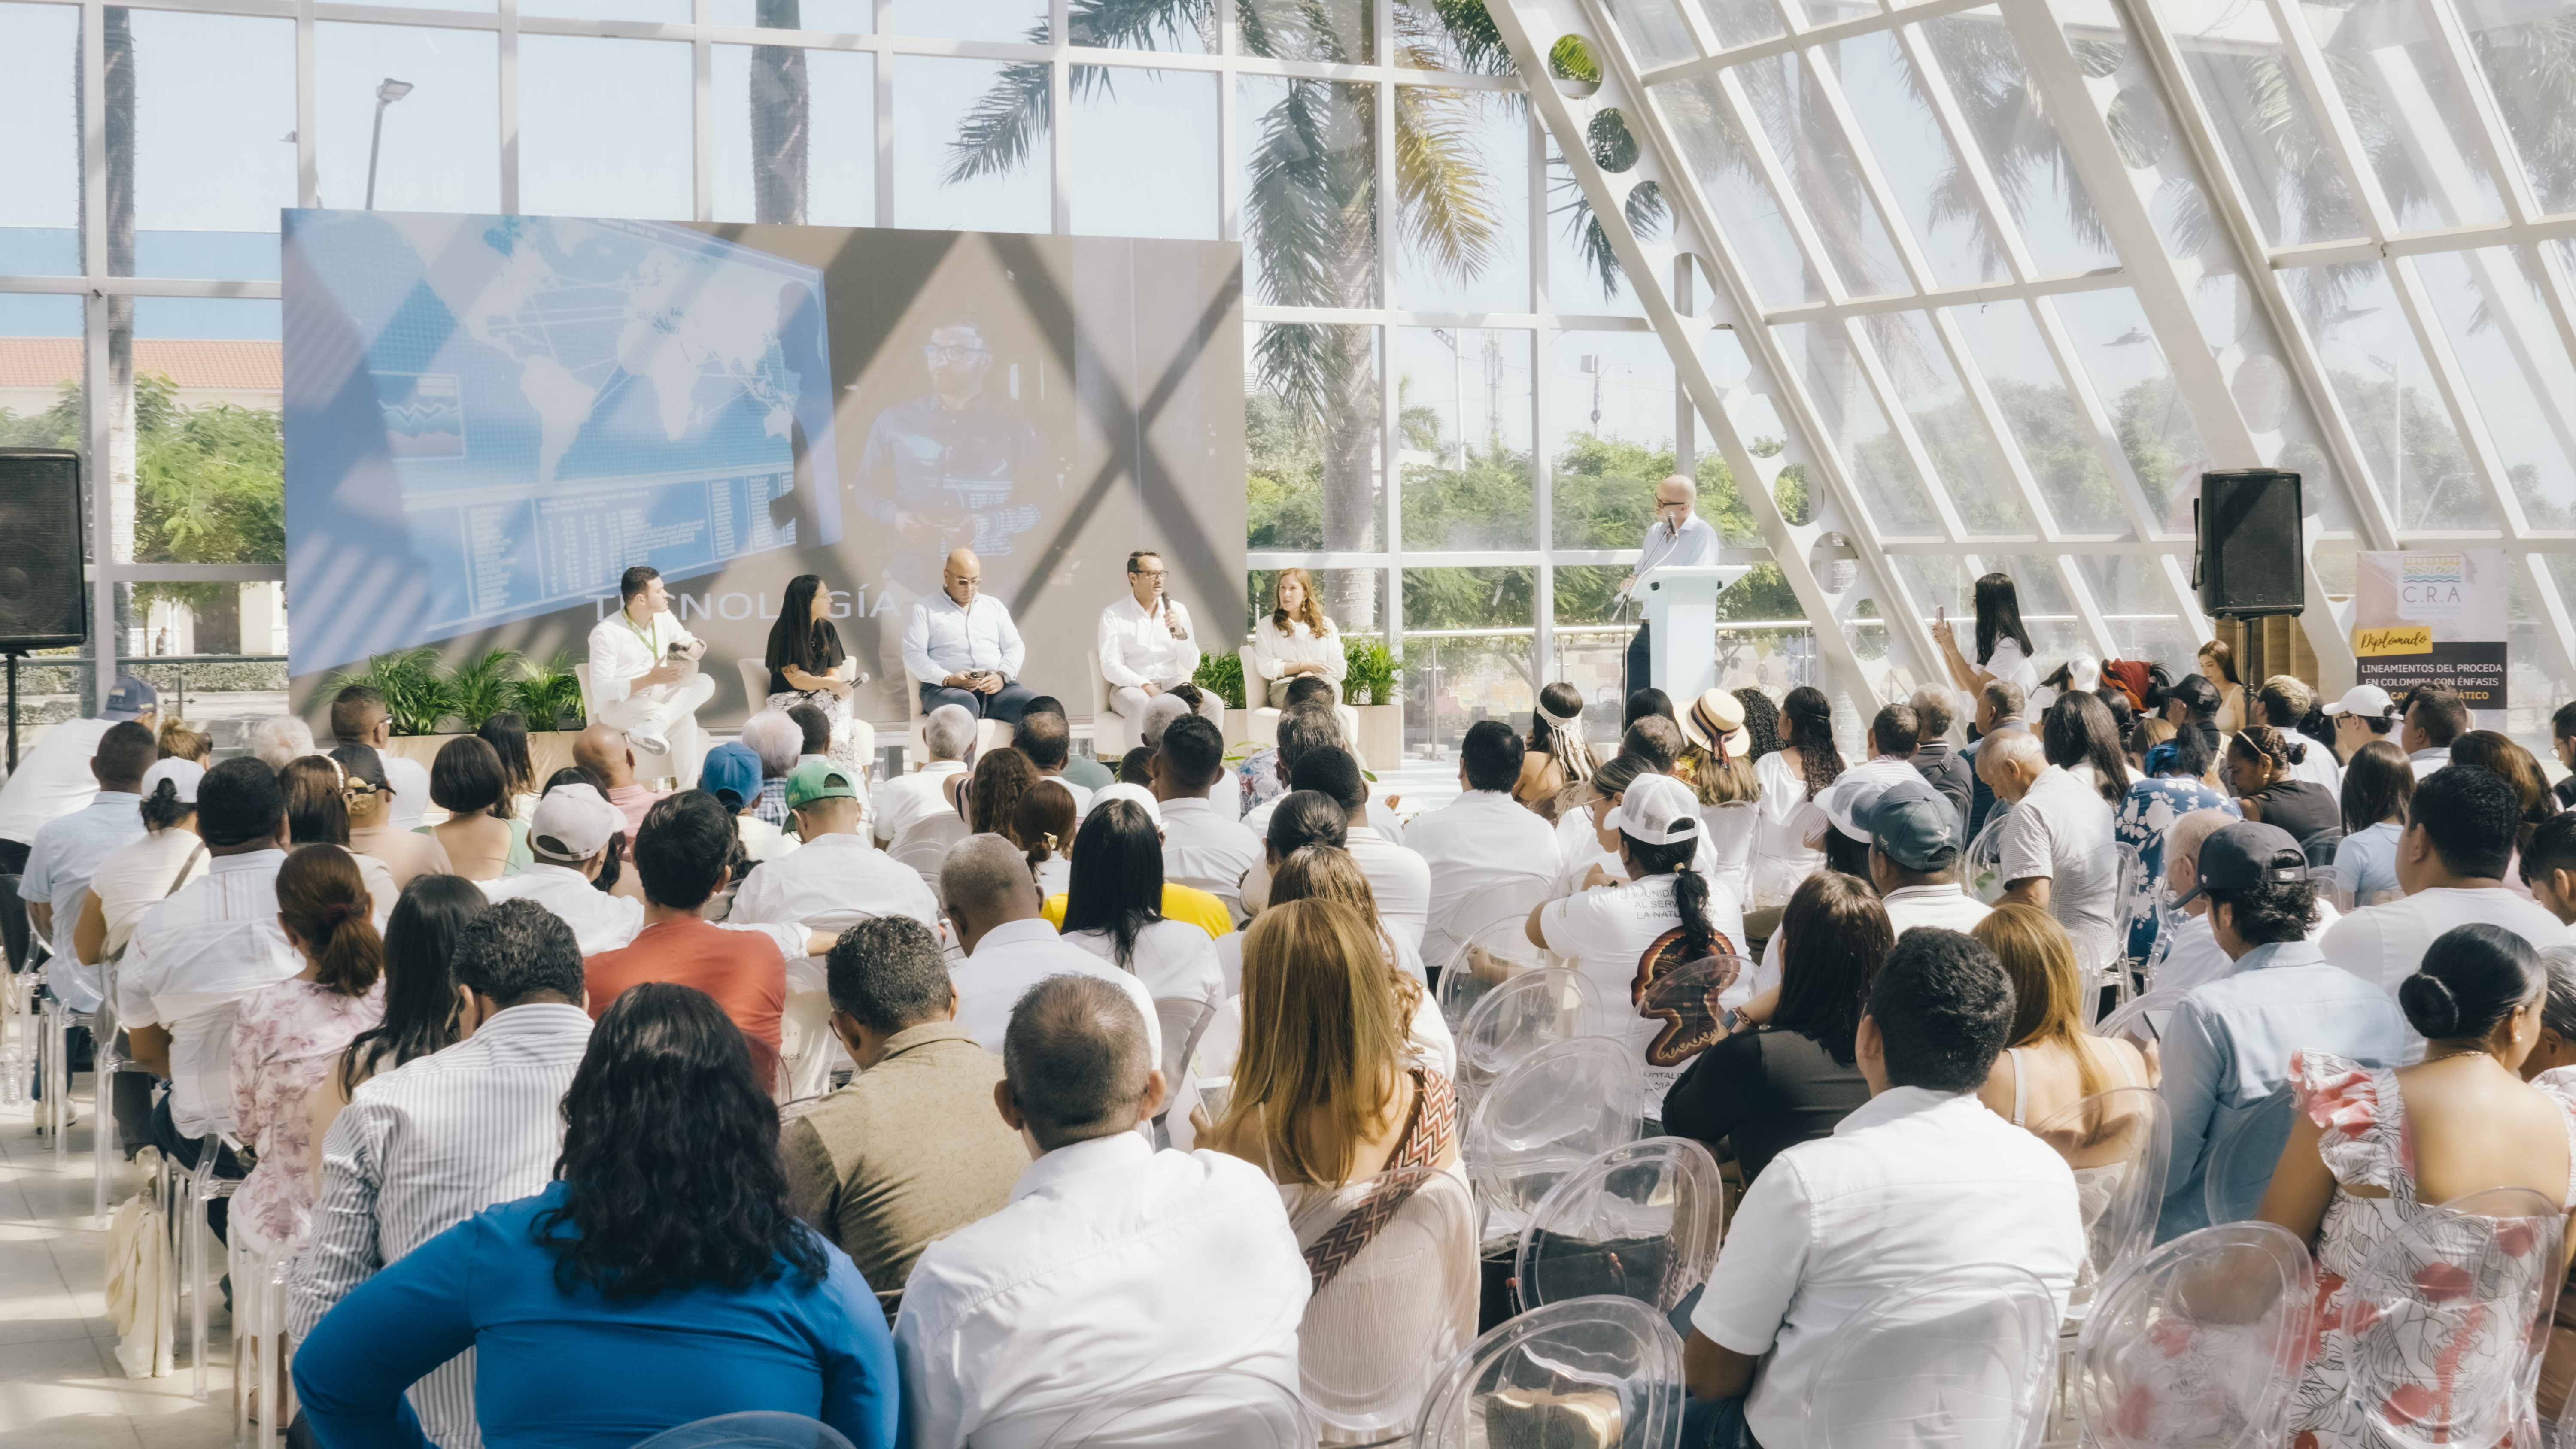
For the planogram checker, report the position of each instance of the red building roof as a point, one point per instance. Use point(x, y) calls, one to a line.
point(192, 365)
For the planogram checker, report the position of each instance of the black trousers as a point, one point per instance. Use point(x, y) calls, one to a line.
point(183, 1151)
point(1641, 661)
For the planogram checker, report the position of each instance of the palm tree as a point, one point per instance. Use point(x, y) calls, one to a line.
point(780, 112)
point(1311, 200)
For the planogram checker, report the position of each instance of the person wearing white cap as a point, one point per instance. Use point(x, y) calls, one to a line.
point(1666, 915)
point(2365, 713)
point(568, 842)
point(1892, 737)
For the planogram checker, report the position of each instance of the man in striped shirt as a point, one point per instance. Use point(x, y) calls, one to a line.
point(435, 1141)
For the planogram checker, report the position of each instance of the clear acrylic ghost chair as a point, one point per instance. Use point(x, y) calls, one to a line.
point(761, 1429)
point(1509, 899)
point(2243, 1151)
point(2197, 1345)
point(1225, 1410)
point(1485, 958)
point(1640, 1221)
point(2447, 1349)
point(1600, 1373)
point(1539, 1006)
point(2120, 1143)
point(2141, 1023)
point(1397, 1303)
point(259, 1317)
point(195, 1191)
point(1984, 873)
point(1564, 1105)
point(1964, 1356)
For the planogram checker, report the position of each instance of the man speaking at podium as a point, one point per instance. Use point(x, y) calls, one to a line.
point(961, 648)
point(1678, 538)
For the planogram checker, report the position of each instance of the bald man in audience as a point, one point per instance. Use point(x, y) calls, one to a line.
point(603, 751)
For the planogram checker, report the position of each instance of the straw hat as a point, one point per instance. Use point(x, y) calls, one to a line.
point(1716, 722)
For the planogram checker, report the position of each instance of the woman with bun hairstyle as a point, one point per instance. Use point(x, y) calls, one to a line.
point(2374, 1147)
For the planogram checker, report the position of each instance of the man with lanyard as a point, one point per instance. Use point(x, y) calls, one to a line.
point(641, 679)
point(1678, 538)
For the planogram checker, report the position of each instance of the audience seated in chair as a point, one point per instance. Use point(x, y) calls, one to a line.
point(947, 733)
point(2058, 851)
point(1920, 1179)
point(1483, 838)
point(317, 813)
point(837, 871)
point(2555, 1049)
point(1180, 902)
point(603, 752)
point(2549, 867)
point(1004, 1318)
point(681, 858)
point(68, 848)
point(1302, 727)
point(777, 740)
point(1791, 1077)
point(731, 773)
point(1047, 740)
point(1010, 946)
point(1080, 770)
point(1327, 872)
point(911, 1150)
point(662, 1279)
point(1114, 909)
point(368, 795)
point(1399, 878)
point(424, 1012)
point(2050, 1062)
point(1204, 845)
point(572, 842)
point(426, 1145)
point(2227, 1046)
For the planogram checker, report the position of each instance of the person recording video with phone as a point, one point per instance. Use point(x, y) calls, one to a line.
point(1678, 538)
point(1147, 647)
point(961, 647)
point(643, 665)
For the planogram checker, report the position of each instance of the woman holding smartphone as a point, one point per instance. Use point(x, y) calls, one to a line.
point(807, 664)
point(2003, 645)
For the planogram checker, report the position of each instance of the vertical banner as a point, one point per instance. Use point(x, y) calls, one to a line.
point(2434, 617)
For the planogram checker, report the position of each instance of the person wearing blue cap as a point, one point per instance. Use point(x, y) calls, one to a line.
point(2227, 1046)
point(54, 778)
point(732, 774)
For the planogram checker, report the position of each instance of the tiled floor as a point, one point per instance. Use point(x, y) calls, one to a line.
point(59, 1380)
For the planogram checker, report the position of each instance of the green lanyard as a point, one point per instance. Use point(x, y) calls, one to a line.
point(644, 634)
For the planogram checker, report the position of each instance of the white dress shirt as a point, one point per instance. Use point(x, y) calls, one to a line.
point(1175, 960)
point(1274, 649)
point(621, 650)
point(66, 854)
point(52, 780)
point(906, 800)
point(600, 921)
point(2425, 762)
point(1694, 546)
point(1208, 848)
point(422, 1148)
point(1483, 838)
point(1399, 878)
point(1911, 1183)
point(136, 877)
point(409, 780)
point(1137, 647)
point(832, 876)
point(2385, 944)
point(192, 961)
point(2318, 766)
point(941, 639)
point(1013, 957)
point(1114, 1266)
point(2062, 830)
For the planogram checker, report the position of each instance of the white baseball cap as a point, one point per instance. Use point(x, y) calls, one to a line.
point(1656, 809)
point(572, 824)
point(1132, 792)
point(2368, 700)
point(183, 776)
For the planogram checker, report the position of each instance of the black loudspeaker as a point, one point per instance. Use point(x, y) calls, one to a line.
point(42, 603)
point(2247, 544)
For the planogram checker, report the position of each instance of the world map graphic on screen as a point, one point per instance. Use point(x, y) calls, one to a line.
point(561, 398)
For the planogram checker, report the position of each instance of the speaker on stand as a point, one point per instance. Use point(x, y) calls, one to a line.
point(42, 602)
point(2248, 555)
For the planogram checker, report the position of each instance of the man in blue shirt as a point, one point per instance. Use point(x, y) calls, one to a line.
point(66, 852)
point(2228, 1044)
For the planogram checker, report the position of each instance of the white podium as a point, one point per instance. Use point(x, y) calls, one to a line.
point(1681, 618)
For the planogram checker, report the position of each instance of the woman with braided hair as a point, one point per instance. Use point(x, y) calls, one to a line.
point(2259, 766)
point(1558, 755)
point(287, 1037)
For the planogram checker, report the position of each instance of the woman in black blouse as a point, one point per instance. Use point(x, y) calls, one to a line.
point(1791, 1080)
point(806, 662)
point(2258, 765)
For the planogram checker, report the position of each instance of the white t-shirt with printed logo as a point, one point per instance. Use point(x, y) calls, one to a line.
point(1606, 932)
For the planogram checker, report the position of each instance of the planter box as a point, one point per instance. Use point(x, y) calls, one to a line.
point(1381, 738)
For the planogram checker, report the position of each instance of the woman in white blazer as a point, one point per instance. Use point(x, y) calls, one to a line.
point(1295, 638)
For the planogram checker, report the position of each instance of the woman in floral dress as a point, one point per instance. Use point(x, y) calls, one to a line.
point(2172, 789)
point(2373, 1150)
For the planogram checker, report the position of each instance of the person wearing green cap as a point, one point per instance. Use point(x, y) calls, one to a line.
point(838, 872)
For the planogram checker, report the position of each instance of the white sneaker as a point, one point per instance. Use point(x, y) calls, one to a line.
point(649, 741)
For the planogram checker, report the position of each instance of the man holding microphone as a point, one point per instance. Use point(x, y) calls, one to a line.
point(1678, 538)
point(1146, 646)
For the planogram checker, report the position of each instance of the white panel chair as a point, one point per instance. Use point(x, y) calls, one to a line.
point(755, 682)
point(1111, 735)
point(2448, 1350)
point(2119, 1143)
point(1560, 1107)
point(759, 1429)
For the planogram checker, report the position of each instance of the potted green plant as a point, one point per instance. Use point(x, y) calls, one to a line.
point(429, 702)
point(1368, 687)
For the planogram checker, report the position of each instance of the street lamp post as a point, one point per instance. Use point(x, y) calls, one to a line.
point(388, 93)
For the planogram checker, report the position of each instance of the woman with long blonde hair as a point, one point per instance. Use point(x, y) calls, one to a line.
point(1321, 1091)
point(1294, 638)
point(1327, 873)
point(2052, 1062)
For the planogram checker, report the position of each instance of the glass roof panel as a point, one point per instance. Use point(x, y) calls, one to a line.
point(2500, 329)
point(1817, 158)
point(2126, 363)
point(2407, 438)
point(2137, 602)
point(2003, 110)
point(1695, 111)
point(1821, 356)
point(1654, 30)
point(2419, 132)
point(2056, 440)
point(2045, 609)
point(1741, 22)
point(2524, 51)
point(1897, 123)
point(1945, 417)
point(2281, 155)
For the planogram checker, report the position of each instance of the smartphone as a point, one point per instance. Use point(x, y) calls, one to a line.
point(1941, 612)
